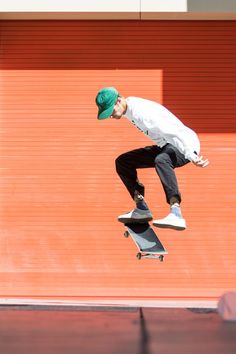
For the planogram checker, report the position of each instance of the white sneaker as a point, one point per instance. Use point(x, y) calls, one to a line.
point(171, 221)
point(136, 215)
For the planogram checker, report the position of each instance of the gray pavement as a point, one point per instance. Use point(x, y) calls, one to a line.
point(84, 330)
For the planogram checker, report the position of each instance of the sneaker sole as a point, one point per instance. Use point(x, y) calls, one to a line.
point(130, 220)
point(172, 227)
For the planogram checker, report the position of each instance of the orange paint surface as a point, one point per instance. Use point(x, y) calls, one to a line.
point(60, 195)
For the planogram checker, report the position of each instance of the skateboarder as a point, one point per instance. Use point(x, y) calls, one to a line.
point(175, 146)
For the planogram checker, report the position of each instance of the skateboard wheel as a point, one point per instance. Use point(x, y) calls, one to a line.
point(161, 258)
point(139, 255)
point(126, 234)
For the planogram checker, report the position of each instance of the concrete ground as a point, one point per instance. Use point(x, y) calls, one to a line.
point(116, 330)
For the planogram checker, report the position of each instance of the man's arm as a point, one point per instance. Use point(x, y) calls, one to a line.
point(171, 133)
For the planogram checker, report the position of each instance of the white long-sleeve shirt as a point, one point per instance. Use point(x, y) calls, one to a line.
point(162, 126)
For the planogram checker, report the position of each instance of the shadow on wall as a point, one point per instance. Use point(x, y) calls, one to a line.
point(197, 59)
point(211, 5)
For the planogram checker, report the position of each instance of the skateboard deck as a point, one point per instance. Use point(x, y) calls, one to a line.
point(146, 240)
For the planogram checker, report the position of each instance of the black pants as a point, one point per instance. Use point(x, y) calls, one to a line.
point(164, 160)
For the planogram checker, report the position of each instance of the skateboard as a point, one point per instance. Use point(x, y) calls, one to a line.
point(146, 240)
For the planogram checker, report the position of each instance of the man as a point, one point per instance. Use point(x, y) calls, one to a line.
point(175, 146)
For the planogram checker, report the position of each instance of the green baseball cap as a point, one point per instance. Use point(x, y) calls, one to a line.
point(106, 100)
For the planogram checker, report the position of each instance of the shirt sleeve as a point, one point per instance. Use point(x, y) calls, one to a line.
point(183, 138)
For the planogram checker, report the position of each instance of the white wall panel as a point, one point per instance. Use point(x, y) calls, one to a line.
point(71, 5)
point(122, 10)
point(163, 6)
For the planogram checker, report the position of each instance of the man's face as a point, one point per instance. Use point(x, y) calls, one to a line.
point(118, 110)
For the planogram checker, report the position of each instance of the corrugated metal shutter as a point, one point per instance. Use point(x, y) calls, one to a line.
point(60, 195)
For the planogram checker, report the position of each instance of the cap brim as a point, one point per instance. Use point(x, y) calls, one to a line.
point(106, 113)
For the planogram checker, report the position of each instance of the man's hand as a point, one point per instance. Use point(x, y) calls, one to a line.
point(200, 162)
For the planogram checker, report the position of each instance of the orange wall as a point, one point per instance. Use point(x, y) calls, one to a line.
point(59, 192)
